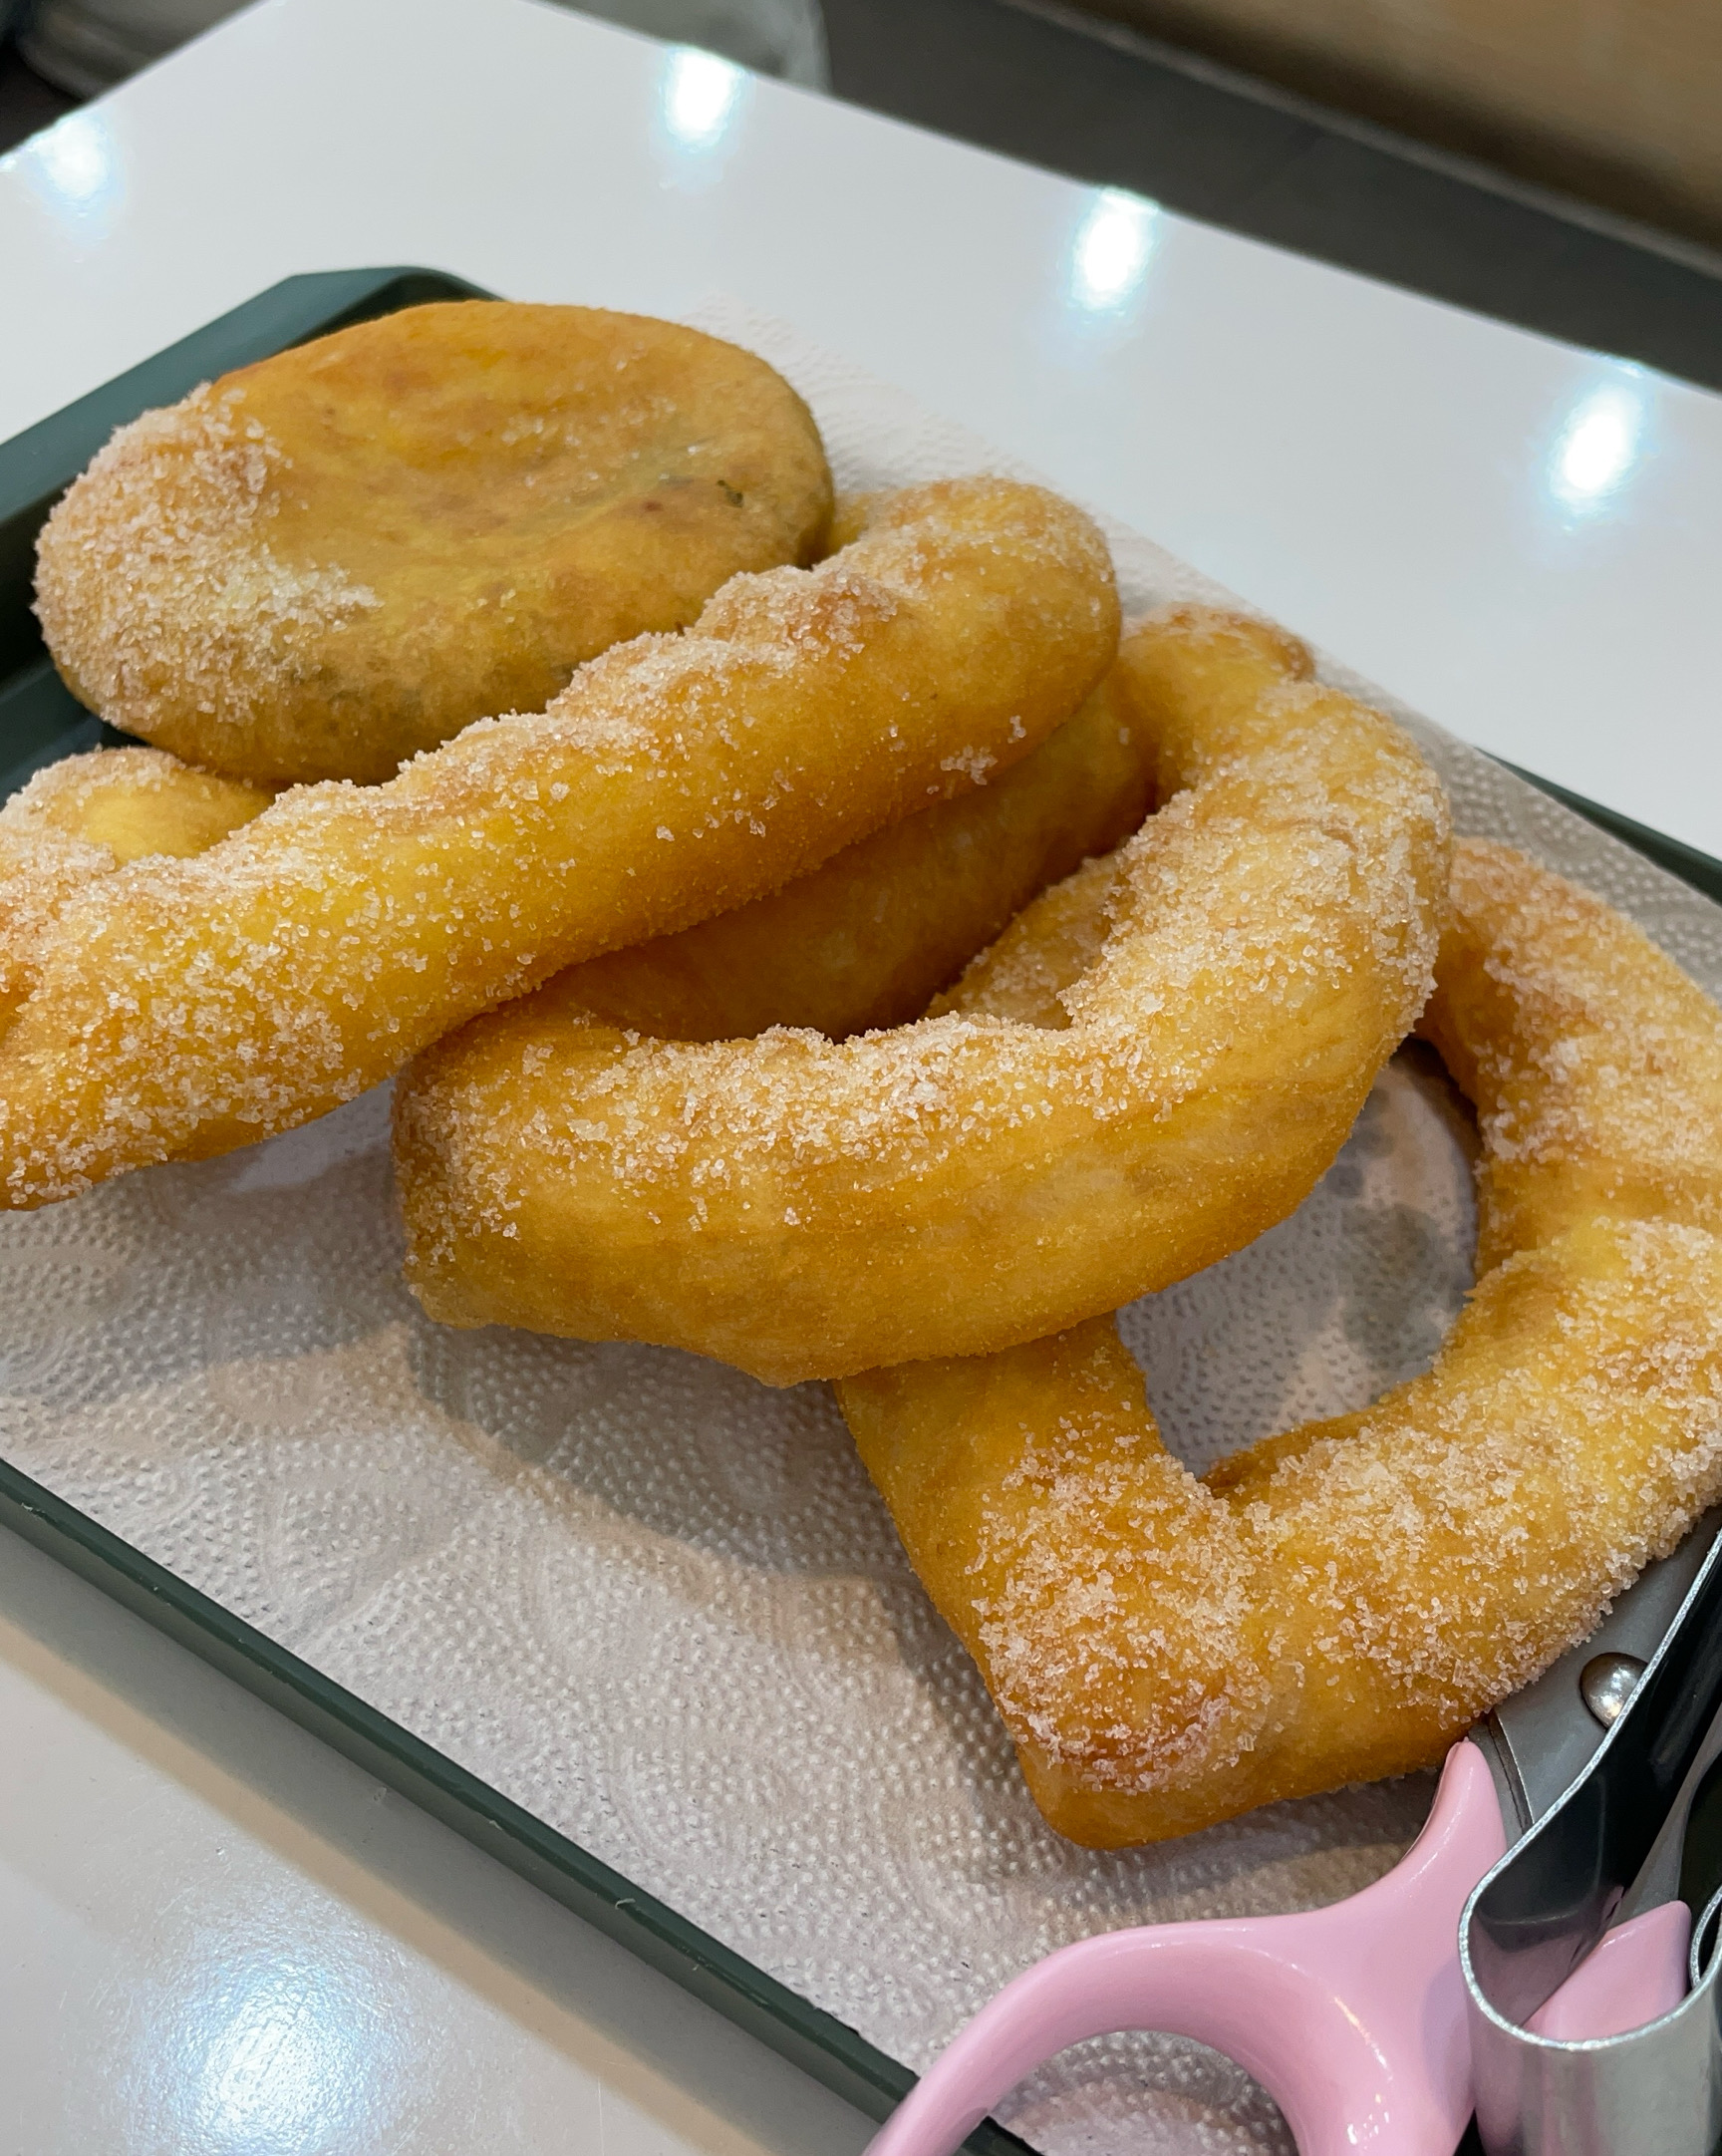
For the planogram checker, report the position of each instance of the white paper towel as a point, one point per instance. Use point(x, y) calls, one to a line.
point(658, 1604)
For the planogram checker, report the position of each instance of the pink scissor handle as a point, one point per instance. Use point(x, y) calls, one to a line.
point(1351, 2016)
point(1634, 1976)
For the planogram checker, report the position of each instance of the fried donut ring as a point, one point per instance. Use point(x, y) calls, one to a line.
point(1341, 1602)
point(323, 563)
point(181, 1007)
point(803, 1209)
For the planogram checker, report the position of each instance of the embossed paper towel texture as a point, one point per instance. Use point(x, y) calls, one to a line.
point(658, 1604)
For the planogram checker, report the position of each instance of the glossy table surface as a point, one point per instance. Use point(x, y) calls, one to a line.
point(214, 1936)
point(1516, 537)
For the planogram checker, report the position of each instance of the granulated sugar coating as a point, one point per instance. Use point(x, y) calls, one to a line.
point(659, 1605)
point(1339, 1603)
point(802, 1208)
point(869, 938)
point(342, 555)
point(80, 819)
point(179, 1008)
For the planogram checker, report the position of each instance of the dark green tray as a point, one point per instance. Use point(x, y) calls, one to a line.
point(41, 722)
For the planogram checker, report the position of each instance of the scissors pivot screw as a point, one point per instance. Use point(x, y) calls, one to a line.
point(1605, 1683)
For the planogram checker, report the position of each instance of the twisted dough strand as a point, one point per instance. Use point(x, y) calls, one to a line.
point(181, 1007)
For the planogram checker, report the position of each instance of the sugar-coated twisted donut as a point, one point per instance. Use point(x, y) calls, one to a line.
point(82, 817)
point(1341, 1602)
point(181, 1007)
point(862, 942)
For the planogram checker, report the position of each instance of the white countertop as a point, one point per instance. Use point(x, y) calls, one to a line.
point(215, 1936)
point(1516, 537)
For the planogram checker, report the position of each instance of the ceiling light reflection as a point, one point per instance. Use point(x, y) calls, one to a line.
point(283, 2066)
point(1597, 446)
point(1113, 246)
point(701, 93)
point(73, 166)
point(77, 158)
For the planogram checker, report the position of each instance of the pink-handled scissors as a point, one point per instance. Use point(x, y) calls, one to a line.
point(1363, 2020)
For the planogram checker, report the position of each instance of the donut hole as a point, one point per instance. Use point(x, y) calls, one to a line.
point(1351, 1295)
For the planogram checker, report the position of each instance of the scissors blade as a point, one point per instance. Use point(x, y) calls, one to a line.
point(1540, 1741)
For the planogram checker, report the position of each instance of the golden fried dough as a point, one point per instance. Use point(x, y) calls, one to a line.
point(1341, 1602)
point(82, 818)
point(323, 563)
point(864, 941)
point(181, 1007)
point(1020, 1161)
